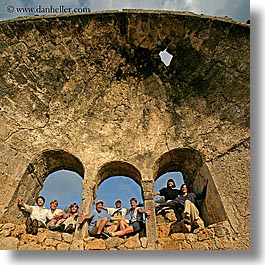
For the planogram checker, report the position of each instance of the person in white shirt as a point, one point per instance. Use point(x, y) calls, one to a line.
point(54, 215)
point(38, 215)
point(117, 214)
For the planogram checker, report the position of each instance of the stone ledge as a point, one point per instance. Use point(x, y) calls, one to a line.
point(214, 237)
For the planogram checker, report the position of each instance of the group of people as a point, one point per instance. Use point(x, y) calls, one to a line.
point(100, 226)
point(53, 218)
point(105, 221)
point(183, 200)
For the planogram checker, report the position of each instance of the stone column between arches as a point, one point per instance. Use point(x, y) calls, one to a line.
point(86, 205)
point(148, 197)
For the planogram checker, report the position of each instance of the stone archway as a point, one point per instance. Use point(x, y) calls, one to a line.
point(35, 174)
point(195, 172)
point(117, 168)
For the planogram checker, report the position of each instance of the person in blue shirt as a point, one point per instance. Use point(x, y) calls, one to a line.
point(98, 221)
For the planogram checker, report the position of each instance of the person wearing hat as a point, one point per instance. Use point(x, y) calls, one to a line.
point(169, 193)
point(98, 220)
point(136, 222)
point(117, 214)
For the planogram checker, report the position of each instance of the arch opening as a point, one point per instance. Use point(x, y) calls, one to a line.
point(191, 164)
point(117, 168)
point(32, 181)
point(63, 185)
point(119, 187)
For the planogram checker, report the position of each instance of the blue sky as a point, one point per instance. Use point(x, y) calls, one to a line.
point(236, 9)
point(66, 187)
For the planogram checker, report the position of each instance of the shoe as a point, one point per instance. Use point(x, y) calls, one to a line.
point(70, 229)
point(98, 236)
point(198, 223)
point(105, 235)
point(195, 225)
point(53, 227)
point(29, 225)
point(158, 210)
point(61, 227)
point(185, 228)
point(34, 227)
point(187, 219)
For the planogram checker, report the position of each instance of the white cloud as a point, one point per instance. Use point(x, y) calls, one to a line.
point(237, 9)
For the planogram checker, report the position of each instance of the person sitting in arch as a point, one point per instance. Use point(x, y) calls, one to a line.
point(187, 201)
point(117, 214)
point(38, 215)
point(169, 193)
point(67, 221)
point(98, 221)
point(54, 215)
point(136, 222)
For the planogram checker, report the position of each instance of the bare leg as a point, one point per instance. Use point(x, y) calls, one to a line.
point(60, 221)
point(100, 224)
point(112, 228)
point(123, 225)
point(52, 222)
point(125, 231)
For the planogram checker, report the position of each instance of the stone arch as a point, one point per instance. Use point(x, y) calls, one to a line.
point(35, 174)
point(117, 168)
point(105, 171)
point(194, 170)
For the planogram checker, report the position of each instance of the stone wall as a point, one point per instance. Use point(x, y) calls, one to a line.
point(215, 237)
point(89, 93)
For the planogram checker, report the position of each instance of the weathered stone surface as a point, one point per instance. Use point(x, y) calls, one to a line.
point(201, 240)
point(10, 243)
point(63, 246)
point(133, 242)
point(77, 245)
point(97, 244)
point(114, 242)
point(163, 230)
point(144, 242)
point(168, 244)
point(94, 97)
point(54, 235)
point(68, 238)
point(6, 229)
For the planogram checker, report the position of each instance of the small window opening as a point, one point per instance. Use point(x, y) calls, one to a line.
point(166, 57)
